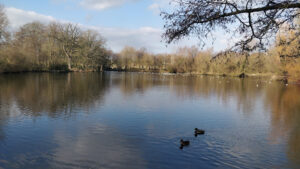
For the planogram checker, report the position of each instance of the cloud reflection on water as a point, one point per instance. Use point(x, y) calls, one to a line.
point(65, 98)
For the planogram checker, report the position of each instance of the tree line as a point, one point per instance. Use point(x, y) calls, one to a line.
point(282, 58)
point(67, 47)
point(50, 47)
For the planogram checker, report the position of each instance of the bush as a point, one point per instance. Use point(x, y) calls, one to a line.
point(59, 67)
point(172, 69)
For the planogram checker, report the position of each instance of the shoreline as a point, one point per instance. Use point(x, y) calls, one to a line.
point(274, 77)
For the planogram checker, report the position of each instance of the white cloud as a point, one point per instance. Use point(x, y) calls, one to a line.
point(157, 5)
point(144, 37)
point(117, 38)
point(103, 4)
point(138, 38)
point(18, 17)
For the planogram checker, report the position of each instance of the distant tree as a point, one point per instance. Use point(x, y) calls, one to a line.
point(288, 42)
point(128, 54)
point(92, 48)
point(3, 25)
point(68, 37)
point(51, 47)
point(53, 44)
point(254, 20)
point(30, 38)
point(140, 56)
point(189, 53)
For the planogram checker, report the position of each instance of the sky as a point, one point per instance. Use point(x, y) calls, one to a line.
point(135, 23)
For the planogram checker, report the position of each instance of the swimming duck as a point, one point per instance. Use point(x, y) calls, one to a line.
point(184, 143)
point(198, 131)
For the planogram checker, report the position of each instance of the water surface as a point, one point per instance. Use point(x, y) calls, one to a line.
point(135, 120)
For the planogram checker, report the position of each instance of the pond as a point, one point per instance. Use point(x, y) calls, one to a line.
point(136, 120)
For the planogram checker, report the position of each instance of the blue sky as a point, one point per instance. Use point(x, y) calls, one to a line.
point(131, 14)
point(121, 22)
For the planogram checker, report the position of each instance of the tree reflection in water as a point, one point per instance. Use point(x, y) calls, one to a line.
point(62, 95)
point(51, 94)
point(282, 102)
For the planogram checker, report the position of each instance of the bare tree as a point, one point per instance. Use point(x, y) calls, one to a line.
point(93, 48)
point(3, 25)
point(254, 20)
point(68, 36)
point(31, 37)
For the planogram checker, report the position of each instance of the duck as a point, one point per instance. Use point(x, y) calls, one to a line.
point(199, 131)
point(184, 143)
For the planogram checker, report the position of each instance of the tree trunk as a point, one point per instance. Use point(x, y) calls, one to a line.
point(69, 63)
point(100, 68)
point(68, 58)
point(246, 62)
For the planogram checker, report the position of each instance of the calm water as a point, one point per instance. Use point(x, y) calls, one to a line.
point(135, 120)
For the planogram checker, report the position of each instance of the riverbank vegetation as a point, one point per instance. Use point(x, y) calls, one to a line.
point(52, 47)
point(69, 47)
point(283, 59)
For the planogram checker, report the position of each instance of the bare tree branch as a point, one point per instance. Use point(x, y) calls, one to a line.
point(255, 20)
